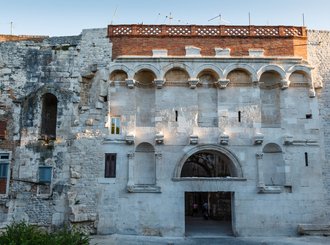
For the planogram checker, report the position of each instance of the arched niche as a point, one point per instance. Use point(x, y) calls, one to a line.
point(207, 77)
point(118, 75)
point(176, 75)
point(145, 77)
point(240, 77)
point(48, 116)
point(224, 161)
point(299, 78)
point(145, 165)
point(273, 165)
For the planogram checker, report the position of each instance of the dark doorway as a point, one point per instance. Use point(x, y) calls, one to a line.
point(216, 220)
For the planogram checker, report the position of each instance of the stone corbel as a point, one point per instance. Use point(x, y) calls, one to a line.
point(193, 83)
point(285, 84)
point(130, 83)
point(193, 139)
point(258, 139)
point(159, 83)
point(255, 83)
point(224, 139)
point(159, 138)
point(288, 140)
point(222, 83)
point(311, 92)
point(129, 139)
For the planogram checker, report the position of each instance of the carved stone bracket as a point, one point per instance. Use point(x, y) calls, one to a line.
point(158, 155)
point(222, 83)
point(159, 83)
point(130, 155)
point(130, 83)
point(259, 155)
point(285, 84)
point(193, 83)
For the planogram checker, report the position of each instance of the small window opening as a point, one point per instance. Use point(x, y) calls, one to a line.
point(49, 116)
point(110, 165)
point(105, 98)
point(306, 159)
point(239, 116)
point(4, 172)
point(308, 116)
point(45, 174)
point(176, 116)
point(3, 125)
point(115, 125)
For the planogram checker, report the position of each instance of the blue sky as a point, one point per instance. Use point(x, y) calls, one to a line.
point(69, 17)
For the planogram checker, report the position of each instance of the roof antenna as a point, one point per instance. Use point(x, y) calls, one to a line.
point(249, 19)
point(303, 19)
point(220, 19)
point(114, 14)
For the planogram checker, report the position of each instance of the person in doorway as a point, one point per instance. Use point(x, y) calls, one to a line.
point(195, 209)
point(205, 210)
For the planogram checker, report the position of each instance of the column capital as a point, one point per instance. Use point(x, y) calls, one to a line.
point(259, 155)
point(130, 155)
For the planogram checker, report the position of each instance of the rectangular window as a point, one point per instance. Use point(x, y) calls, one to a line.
point(110, 165)
point(4, 172)
point(115, 125)
point(3, 125)
point(45, 174)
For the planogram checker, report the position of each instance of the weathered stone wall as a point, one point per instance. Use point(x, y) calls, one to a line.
point(319, 56)
point(149, 199)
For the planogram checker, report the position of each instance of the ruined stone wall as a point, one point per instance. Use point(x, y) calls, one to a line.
point(28, 71)
point(319, 56)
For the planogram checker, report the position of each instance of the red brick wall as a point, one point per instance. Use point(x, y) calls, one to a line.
point(142, 39)
point(126, 45)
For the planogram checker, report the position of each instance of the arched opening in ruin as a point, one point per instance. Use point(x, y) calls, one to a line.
point(209, 212)
point(118, 75)
point(270, 82)
point(240, 77)
point(48, 116)
point(207, 99)
point(145, 165)
point(176, 75)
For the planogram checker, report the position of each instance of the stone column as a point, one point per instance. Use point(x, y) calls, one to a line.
point(130, 181)
point(158, 162)
point(261, 181)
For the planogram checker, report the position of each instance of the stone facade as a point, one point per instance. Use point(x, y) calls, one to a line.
point(122, 143)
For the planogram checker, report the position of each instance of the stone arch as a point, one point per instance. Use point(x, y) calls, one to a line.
point(176, 74)
point(145, 76)
point(235, 166)
point(181, 66)
point(118, 75)
point(306, 71)
point(243, 67)
point(128, 71)
point(210, 67)
point(278, 69)
point(149, 67)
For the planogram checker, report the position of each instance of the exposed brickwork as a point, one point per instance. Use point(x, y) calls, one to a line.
point(141, 43)
point(14, 38)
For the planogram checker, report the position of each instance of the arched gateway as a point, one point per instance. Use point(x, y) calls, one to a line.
point(207, 208)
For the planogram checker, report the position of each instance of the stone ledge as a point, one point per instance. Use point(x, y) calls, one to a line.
point(209, 178)
point(314, 229)
point(143, 189)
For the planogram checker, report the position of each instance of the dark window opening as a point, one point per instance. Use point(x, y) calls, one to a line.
point(308, 116)
point(49, 116)
point(45, 174)
point(105, 98)
point(4, 172)
point(3, 126)
point(306, 159)
point(239, 116)
point(110, 165)
point(176, 116)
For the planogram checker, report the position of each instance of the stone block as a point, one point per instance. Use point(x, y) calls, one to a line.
point(192, 51)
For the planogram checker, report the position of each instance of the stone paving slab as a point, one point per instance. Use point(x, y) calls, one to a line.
point(147, 240)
